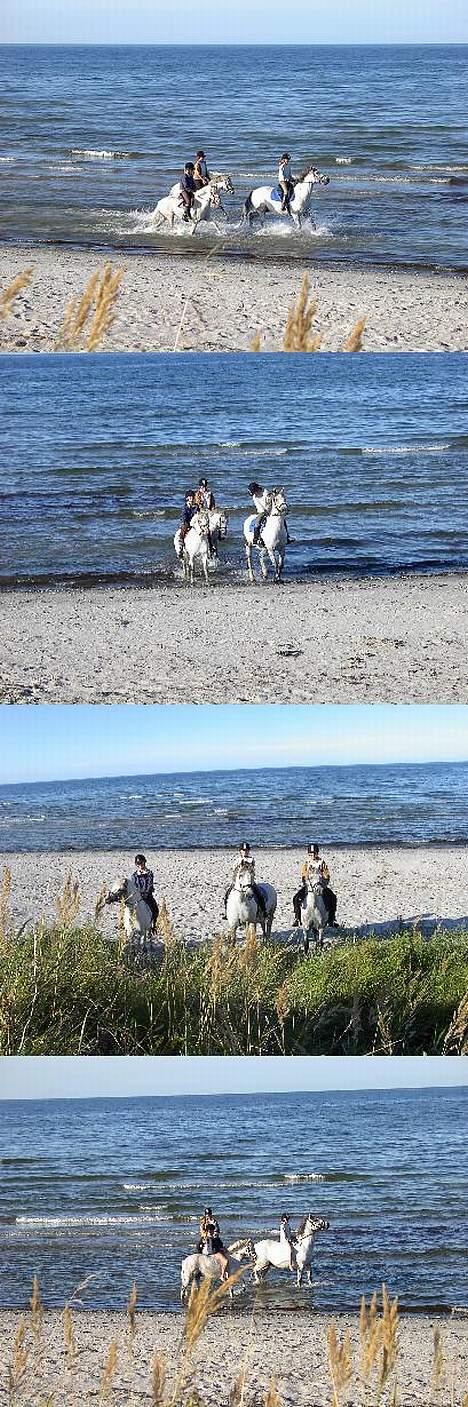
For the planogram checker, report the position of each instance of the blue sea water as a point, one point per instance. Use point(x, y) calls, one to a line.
point(113, 1189)
point(367, 805)
point(97, 453)
point(91, 137)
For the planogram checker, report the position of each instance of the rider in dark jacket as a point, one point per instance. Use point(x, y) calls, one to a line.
point(187, 189)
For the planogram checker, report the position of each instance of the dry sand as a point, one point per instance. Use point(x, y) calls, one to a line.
point(290, 1348)
point(387, 640)
point(228, 301)
point(376, 886)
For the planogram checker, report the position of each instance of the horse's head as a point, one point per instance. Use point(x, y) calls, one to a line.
point(201, 522)
point(313, 177)
point(244, 878)
point(278, 502)
point(222, 182)
point(119, 890)
point(313, 1224)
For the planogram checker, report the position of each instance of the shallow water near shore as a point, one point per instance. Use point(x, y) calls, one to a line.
point(98, 452)
point(114, 1189)
point(419, 804)
point(91, 137)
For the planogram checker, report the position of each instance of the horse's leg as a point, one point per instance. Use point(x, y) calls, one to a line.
point(306, 943)
point(205, 568)
point(248, 552)
point(263, 566)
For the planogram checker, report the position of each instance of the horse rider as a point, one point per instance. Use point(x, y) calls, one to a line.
point(244, 861)
point(287, 1234)
point(190, 509)
point(143, 878)
point(315, 871)
point(201, 173)
point(263, 503)
point(263, 500)
point(187, 189)
point(285, 181)
point(205, 502)
point(211, 1243)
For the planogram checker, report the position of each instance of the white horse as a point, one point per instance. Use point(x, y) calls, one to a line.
point(273, 538)
point(242, 908)
point(314, 917)
point(198, 1266)
point(195, 543)
point(265, 200)
point(276, 1254)
point(138, 919)
point(205, 200)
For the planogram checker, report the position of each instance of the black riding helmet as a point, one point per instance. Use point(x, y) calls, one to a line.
point(254, 488)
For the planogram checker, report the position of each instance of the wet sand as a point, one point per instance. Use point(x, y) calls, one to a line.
point(225, 302)
point(375, 640)
point(291, 1349)
point(377, 887)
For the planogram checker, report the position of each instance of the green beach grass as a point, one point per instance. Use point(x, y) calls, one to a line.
point(66, 990)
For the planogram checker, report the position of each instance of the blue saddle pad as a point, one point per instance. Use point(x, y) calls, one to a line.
point(276, 194)
point(251, 523)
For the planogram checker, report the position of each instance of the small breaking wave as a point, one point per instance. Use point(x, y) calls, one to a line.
point(406, 449)
point(94, 154)
point(304, 1177)
point(58, 1222)
point(344, 160)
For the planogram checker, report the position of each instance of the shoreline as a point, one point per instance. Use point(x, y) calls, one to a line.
point(270, 1346)
point(325, 641)
point(379, 888)
point(226, 302)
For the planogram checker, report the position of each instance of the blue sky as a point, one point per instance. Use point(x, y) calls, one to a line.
point(70, 1077)
point(237, 21)
point(53, 742)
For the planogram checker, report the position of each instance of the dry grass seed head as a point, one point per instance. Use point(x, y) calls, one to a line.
point(17, 1368)
point(10, 294)
point(272, 1397)
point(340, 1360)
point(69, 1336)
point(5, 893)
point(110, 1368)
point(256, 343)
point(68, 902)
point(166, 930)
point(389, 1334)
point(438, 1360)
point(131, 1307)
point(203, 1303)
point(158, 1380)
point(354, 341)
point(297, 337)
point(107, 291)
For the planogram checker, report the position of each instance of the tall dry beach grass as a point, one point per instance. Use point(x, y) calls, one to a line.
point(89, 318)
point(66, 989)
point(299, 333)
point(48, 1361)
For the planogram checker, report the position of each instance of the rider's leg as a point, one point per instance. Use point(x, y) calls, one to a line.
point(298, 900)
point(283, 185)
point(226, 897)
point(259, 524)
point(154, 909)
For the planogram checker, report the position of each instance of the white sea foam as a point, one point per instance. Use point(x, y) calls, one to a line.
point(343, 160)
point(405, 449)
point(64, 1221)
point(304, 1177)
point(93, 154)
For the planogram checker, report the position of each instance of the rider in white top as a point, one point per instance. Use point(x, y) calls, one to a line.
point(286, 1234)
point(246, 860)
point(262, 502)
point(285, 181)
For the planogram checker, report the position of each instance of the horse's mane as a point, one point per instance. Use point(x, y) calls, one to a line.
point(302, 1225)
point(304, 175)
point(237, 1245)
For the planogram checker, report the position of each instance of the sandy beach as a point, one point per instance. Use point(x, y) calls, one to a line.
point(292, 1349)
point(225, 302)
point(376, 886)
point(332, 641)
